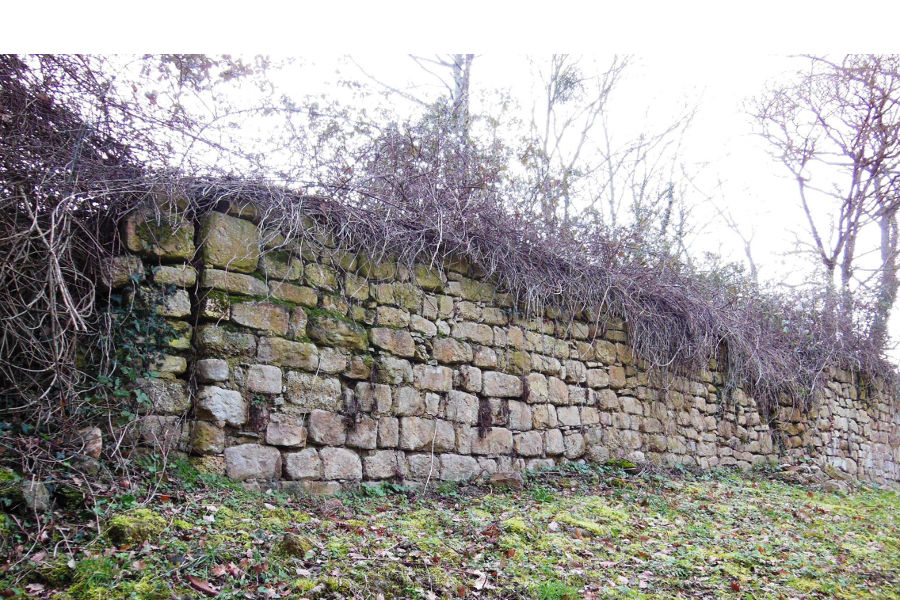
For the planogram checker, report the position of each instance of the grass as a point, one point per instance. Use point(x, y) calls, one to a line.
point(583, 532)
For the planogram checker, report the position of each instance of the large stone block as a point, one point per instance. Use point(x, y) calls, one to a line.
point(428, 278)
point(265, 379)
point(388, 316)
point(163, 432)
point(530, 443)
point(497, 440)
point(252, 461)
point(207, 438)
point(298, 294)
point(553, 442)
point(362, 433)
point(236, 283)
point(451, 351)
point(388, 432)
point(286, 353)
point(458, 468)
point(395, 341)
point(164, 396)
point(122, 270)
point(210, 370)
point(470, 379)
point(383, 464)
point(281, 264)
point(574, 445)
point(229, 242)
point(544, 416)
point(218, 341)
point(408, 402)
point(462, 407)
point(433, 378)
point(218, 404)
point(393, 370)
point(327, 428)
point(285, 430)
point(501, 385)
point(474, 332)
point(305, 464)
point(178, 275)
point(311, 392)
point(568, 416)
point(264, 316)
point(161, 236)
point(424, 434)
point(340, 463)
point(520, 417)
point(331, 330)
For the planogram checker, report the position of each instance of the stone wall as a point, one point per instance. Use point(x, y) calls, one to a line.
point(316, 368)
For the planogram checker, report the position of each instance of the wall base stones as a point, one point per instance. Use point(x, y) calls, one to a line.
point(318, 368)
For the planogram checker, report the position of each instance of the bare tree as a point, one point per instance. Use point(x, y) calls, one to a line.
point(836, 128)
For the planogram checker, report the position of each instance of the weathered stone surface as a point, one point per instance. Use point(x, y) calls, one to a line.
point(462, 407)
point(286, 353)
point(182, 333)
point(423, 326)
point(265, 379)
point(422, 434)
point(236, 283)
point(458, 468)
point(530, 443)
point(362, 433)
point(568, 416)
point(470, 379)
point(229, 242)
point(165, 396)
point(383, 464)
point(305, 464)
point(520, 417)
point(178, 275)
point(207, 438)
point(285, 430)
point(395, 341)
point(544, 416)
point(36, 496)
point(218, 404)
point(122, 270)
point(321, 276)
point(327, 428)
point(497, 440)
point(252, 461)
point(507, 479)
point(340, 463)
point(574, 445)
point(162, 237)
point(218, 341)
point(485, 358)
point(408, 402)
point(264, 316)
point(428, 278)
point(392, 370)
point(281, 265)
point(423, 465)
point(616, 377)
point(176, 304)
point(501, 385)
point(160, 431)
point(451, 351)
point(553, 442)
point(373, 397)
point(388, 432)
point(169, 365)
point(288, 292)
point(388, 316)
point(434, 378)
point(332, 330)
point(474, 332)
point(311, 487)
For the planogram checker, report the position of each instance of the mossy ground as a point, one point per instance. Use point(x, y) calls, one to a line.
point(578, 532)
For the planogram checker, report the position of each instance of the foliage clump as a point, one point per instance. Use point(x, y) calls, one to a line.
point(135, 526)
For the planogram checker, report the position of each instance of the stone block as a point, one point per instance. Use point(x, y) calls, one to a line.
point(424, 434)
point(218, 404)
point(554, 443)
point(236, 283)
point(393, 370)
point(423, 465)
point(340, 463)
point(286, 353)
point(162, 432)
point(395, 341)
point(501, 385)
point(184, 276)
point(285, 430)
point(288, 292)
point(568, 416)
point(451, 351)
point(382, 464)
point(433, 378)
point(327, 428)
point(574, 445)
point(219, 341)
point(281, 264)
point(536, 389)
point(321, 276)
point(252, 461)
point(264, 316)
point(388, 432)
point(304, 464)
point(118, 271)
point(331, 330)
point(428, 278)
point(207, 438)
point(265, 379)
point(161, 236)
point(497, 440)
point(388, 316)
point(229, 242)
point(529, 443)
point(462, 407)
point(362, 433)
point(520, 417)
point(580, 395)
point(166, 397)
point(168, 365)
point(544, 416)
point(616, 377)
point(485, 358)
point(373, 397)
point(423, 326)
point(408, 402)
point(470, 379)
point(559, 391)
point(458, 468)
point(309, 392)
point(474, 332)
point(332, 360)
point(589, 415)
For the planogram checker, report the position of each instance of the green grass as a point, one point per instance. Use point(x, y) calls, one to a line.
point(571, 533)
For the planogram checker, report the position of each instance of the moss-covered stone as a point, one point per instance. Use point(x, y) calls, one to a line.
point(229, 242)
point(294, 545)
point(135, 526)
point(331, 330)
point(162, 236)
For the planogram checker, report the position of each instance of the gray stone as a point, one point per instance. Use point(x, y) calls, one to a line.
point(36, 496)
point(568, 416)
point(388, 432)
point(408, 402)
point(553, 442)
point(451, 351)
point(425, 434)
point(236, 283)
point(169, 365)
point(497, 440)
point(310, 392)
point(474, 332)
point(305, 464)
point(162, 432)
point(285, 430)
point(470, 379)
point(264, 316)
point(252, 461)
point(462, 407)
point(176, 304)
point(286, 353)
point(280, 265)
point(218, 404)
point(383, 464)
point(520, 417)
point(179, 275)
point(530, 443)
point(362, 433)
point(423, 326)
point(574, 445)
point(434, 378)
point(507, 479)
point(395, 341)
point(122, 270)
point(392, 370)
point(229, 242)
point(501, 385)
point(281, 290)
point(544, 416)
point(458, 468)
point(215, 340)
point(340, 463)
point(537, 391)
point(265, 379)
point(327, 428)
point(331, 330)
